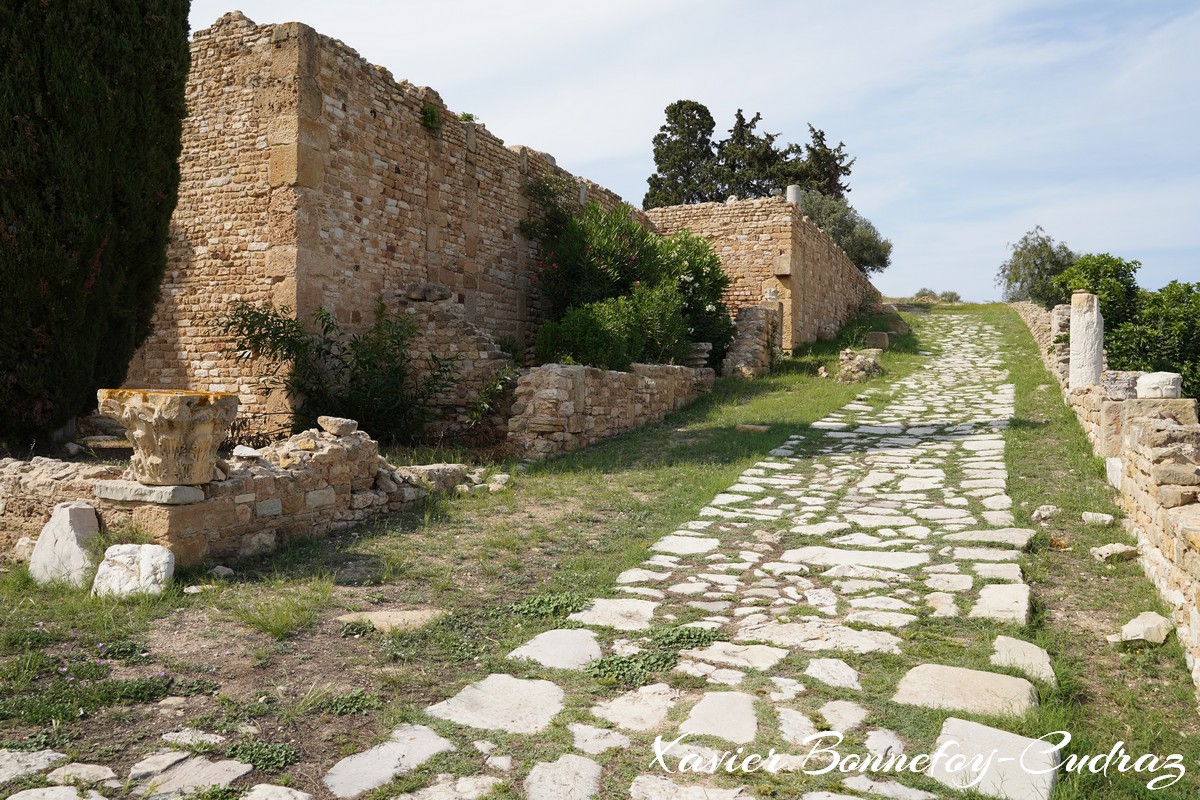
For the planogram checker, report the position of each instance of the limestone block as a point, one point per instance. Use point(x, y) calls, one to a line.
point(1087, 340)
point(877, 339)
point(338, 426)
point(61, 550)
point(1160, 384)
point(134, 492)
point(129, 569)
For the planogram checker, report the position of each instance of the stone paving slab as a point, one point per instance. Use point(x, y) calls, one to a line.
point(1012, 767)
point(503, 703)
point(960, 689)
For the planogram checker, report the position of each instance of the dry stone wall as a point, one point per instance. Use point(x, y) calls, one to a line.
point(308, 485)
point(757, 342)
point(771, 251)
point(1152, 447)
point(562, 407)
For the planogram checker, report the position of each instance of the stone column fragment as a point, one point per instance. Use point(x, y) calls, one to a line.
point(1087, 340)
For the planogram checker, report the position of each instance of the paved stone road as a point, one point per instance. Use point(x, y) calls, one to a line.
point(891, 508)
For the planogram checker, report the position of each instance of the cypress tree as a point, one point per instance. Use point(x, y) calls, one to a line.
point(91, 106)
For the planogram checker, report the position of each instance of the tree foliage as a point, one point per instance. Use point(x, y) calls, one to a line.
point(853, 232)
point(690, 167)
point(1110, 278)
point(91, 104)
point(1029, 272)
point(1164, 336)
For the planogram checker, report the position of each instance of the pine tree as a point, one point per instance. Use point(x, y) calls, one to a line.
point(683, 158)
point(91, 104)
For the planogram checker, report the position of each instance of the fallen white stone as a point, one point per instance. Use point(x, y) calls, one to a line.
point(642, 710)
point(504, 703)
point(1025, 656)
point(134, 492)
point(1006, 602)
point(1043, 513)
point(408, 747)
point(1113, 552)
point(624, 615)
point(560, 649)
point(571, 777)
point(61, 552)
point(727, 715)
point(884, 742)
point(595, 740)
point(393, 620)
point(1145, 627)
point(1160, 384)
point(129, 569)
point(960, 689)
point(338, 426)
point(833, 672)
point(1095, 518)
point(1013, 767)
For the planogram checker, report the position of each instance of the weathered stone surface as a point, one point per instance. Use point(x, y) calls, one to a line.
point(1006, 602)
point(685, 545)
point(959, 689)
point(268, 791)
point(815, 634)
point(175, 434)
point(449, 787)
point(502, 702)
point(190, 737)
point(754, 656)
point(194, 773)
point(1025, 656)
point(1011, 537)
point(833, 672)
point(571, 777)
point(129, 569)
point(1043, 513)
point(1087, 341)
point(156, 764)
point(1145, 627)
point(832, 557)
point(337, 426)
point(19, 763)
point(560, 649)
point(1160, 384)
point(81, 773)
point(1017, 768)
point(642, 710)
point(56, 793)
point(794, 725)
point(1095, 518)
point(61, 551)
point(843, 715)
point(624, 615)
point(654, 787)
point(1114, 552)
point(591, 739)
point(395, 620)
point(727, 715)
point(408, 747)
point(889, 789)
point(134, 492)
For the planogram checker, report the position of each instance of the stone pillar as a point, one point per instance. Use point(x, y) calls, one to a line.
point(793, 194)
point(1087, 340)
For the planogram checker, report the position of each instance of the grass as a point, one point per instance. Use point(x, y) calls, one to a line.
point(281, 608)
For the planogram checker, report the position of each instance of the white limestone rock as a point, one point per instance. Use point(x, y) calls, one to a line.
point(408, 747)
point(754, 656)
point(449, 787)
point(61, 552)
point(1160, 384)
point(560, 649)
point(833, 557)
point(1096, 518)
point(1114, 552)
point(337, 426)
point(1011, 537)
point(814, 634)
point(129, 569)
point(571, 777)
point(190, 737)
point(19, 763)
point(1025, 656)
point(727, 715)
point(833, 672)
point(502, 702)
point(194, 773)
point(960, 689)
point(56, 793)
point(1017, 768)
point(622, 614)
point(642, 710)
point(1006, 602)
point(1086, 341)
point(81, 773)
point(843, 715)
point(655, 787)
point(595, 740)
point(1145, 627)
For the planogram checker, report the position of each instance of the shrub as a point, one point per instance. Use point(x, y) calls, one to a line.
point(1109, 278)
point(1029, 272)
point(91, 104)
point(1163, 337)
point(366, 376)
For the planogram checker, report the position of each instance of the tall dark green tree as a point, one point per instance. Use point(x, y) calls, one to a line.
point(91, 104)
point(1029, 272)
point(853, 232)
point(749, 164)
point(683, 158)
point(826, 168)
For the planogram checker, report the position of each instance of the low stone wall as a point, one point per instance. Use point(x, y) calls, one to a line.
point(308, 485)
point(1152, 447)
point(563, 407)
point(759, 339)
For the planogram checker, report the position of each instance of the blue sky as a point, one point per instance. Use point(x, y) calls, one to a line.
point(971, 122)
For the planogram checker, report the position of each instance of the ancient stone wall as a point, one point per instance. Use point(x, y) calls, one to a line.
point(771, 251)
point(308, 485)
point(1152, 451)
point(563, 407)
point(757, 342)
point(312, 179)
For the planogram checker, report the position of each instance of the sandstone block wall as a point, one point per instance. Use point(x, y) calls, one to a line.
point(770, 251)
point(758, 340)
point(311, 179)
point(307, 485)
point(562, 407)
